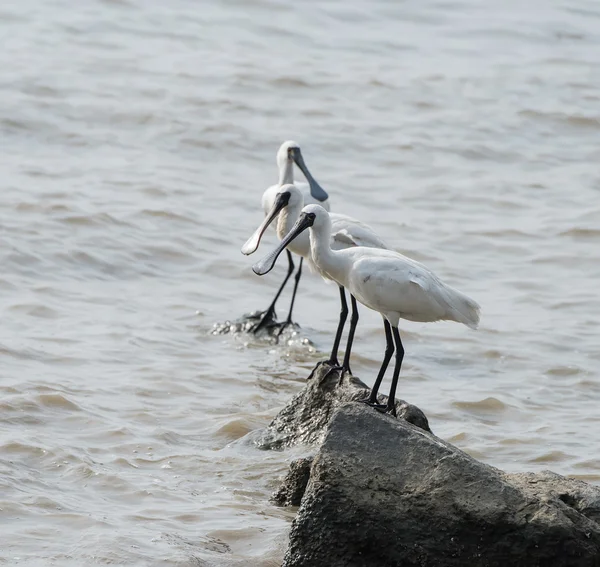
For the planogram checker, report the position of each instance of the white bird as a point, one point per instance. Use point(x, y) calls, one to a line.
point(346, 232)
point(289, 153)
point(385, 281)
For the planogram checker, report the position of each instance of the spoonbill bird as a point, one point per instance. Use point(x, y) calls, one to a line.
point(385, 281)
point(345, 231)
point(289, 153)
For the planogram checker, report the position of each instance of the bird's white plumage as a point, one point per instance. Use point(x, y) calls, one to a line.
point(386, 281)
point(346, 232)
point(269, 195)
point(285, 166)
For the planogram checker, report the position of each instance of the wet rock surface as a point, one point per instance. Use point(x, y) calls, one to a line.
point(292, 488)
point(306, 416)
point(383, 492)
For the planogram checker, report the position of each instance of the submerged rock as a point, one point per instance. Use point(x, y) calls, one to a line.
point(306, 416)
point(273, 331)
point(382, 492)
point(247, 323)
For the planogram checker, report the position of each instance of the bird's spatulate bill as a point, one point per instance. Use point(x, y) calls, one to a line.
point(252, 243)
point(316, 190)
point(265, 265)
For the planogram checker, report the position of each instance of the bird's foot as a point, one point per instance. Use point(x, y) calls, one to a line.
point(317, 366)
point(334, 366)
point(267, 319)
point(343, 370)
point(283, 326)
point(391, 410)
point(375, 405)
point(382, 408)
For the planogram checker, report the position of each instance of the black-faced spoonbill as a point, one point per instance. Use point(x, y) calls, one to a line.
point(289, 153)
point(346, 232)
point(383, 280)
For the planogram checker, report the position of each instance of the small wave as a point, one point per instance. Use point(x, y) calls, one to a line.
point(550, 457)
point(41, 208)
point(197, 143)
point(36, 310)
point(494, 354)
point(236, 428)
point(577, 120)
point(170, 253)
point(380, 84)
point(320, 112)
point(170, 215)
point(581, 233)
point(458, 437)
point(6, 285)
point(14, 124)
point(486, 405)
point(589, 385)
point(564, 371)
point(97, 219)
point(509, 232)
point(207, 543)
point(25, 354)
point(118, 3)
point(294, 82)
point(516, 441)
point(56, 400)
point(42, 90)
point(15, 448)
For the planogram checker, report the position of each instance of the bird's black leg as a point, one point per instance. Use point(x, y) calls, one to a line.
point(391, 404)
point(269, 315)
point(353, 323)
point(389, 350)
point(333, 359)
point(288, 321)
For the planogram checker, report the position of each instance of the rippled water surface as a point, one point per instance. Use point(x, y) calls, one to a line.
point(137, 138)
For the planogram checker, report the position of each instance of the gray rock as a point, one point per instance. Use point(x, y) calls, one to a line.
point(305, 418)
point(292, 488)
point(385, 493)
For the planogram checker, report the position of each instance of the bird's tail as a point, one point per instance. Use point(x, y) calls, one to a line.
point(462, 308)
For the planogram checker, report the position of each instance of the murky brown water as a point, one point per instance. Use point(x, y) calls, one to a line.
point(137, 138)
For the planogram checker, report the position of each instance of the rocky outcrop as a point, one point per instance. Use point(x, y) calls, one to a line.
point(382, 492)
point(292, 488)
point(306, 416)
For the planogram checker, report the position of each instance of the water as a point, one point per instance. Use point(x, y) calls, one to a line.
point(137, 138)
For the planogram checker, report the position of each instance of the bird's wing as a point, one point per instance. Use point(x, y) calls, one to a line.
point(420, 279)
point(343, 239)
point(347, 232)
point(453, 304)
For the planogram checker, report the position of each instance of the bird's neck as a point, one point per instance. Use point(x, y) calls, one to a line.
point(327, 260)
point(286, 172)
point(285, 221)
